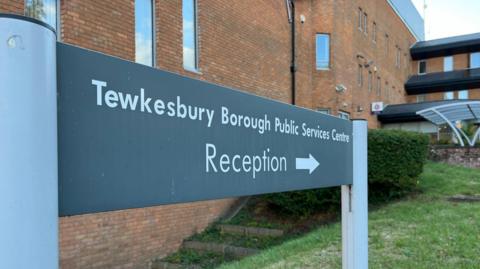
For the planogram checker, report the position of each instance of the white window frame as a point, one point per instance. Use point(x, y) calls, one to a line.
point(153, 47)
point(463, 91)
point(343, 115)
point(471, 59)
point(326, 111)
point(445, 95)
point(196, 68)
point(421, 98)
point(365, 22)
point(360, 76)
point(448, 68)
point(328, 51)
point(360, 19)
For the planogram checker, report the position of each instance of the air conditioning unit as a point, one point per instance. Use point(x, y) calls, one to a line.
point(377, 107)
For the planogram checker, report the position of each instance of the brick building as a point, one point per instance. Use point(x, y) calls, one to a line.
point(445, 71)
point(348, 54)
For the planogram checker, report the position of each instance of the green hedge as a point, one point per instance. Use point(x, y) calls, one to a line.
point(395, 161)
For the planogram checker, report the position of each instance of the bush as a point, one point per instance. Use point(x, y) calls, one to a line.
point(395, 161)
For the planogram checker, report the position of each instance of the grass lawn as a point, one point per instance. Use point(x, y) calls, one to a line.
point(421, 231)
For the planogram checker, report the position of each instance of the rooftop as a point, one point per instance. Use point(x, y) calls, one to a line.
point(446, 46)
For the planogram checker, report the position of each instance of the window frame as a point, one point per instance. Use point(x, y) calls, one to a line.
point(470, 60)
point(387, 44)
point(328, 51)
point(448, 93)
point(421, 98)
point(196, 68)
point(379, 86)
point(419, 67)
point(360, 76)
point(463, 91)
point(370, 81)
point(326, 111)
point(55, 25)
point(360, 19)
point(445, 69)
point(344, 115)
point(365, 23)
point(374, 32)
point(153, 46)
point(398, 55)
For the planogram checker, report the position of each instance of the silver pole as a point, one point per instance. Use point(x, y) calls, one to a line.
point(28, 144)
point(355, 204)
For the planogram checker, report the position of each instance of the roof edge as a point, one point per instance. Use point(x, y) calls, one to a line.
point(419, 36)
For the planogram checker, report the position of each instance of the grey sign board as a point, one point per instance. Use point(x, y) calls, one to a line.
point(134, 136)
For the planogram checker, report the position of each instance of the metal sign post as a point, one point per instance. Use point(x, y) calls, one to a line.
point(355, 204)
point(28, 145)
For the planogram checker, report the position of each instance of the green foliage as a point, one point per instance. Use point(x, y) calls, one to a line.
point(304, 203)
point(395, 161)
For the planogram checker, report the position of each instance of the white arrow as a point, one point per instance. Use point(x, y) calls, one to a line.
point(309, 163)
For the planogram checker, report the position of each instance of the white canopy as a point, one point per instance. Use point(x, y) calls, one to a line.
point(452, 113)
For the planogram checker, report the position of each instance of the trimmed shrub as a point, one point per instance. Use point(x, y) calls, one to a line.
point(395, 161)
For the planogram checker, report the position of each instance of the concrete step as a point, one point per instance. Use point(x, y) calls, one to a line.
point(236, 252)
point(249, 231)
point(159, 264)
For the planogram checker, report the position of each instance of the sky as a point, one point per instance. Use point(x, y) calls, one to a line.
point(446, 18)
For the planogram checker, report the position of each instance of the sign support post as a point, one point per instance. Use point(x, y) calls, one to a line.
point(28, 144)
point(355, 204)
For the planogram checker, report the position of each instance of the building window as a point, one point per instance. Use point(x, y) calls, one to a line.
point(360, 76)
point(387, 44)
point(421, 98)
point(323, 51)
point(360, 19)
point(463, 94)
point(365, 23)
point(144, 41)
point(374, 32)
point(379, 86)
point(422, 67)
point(475, 60)
point(448, 63)
point(43, 10)
point(190, 51)
point(448, 96)
point(343, 115)
point(398, 57)
point(370, 81)
point(387, 91)
point(324, 110)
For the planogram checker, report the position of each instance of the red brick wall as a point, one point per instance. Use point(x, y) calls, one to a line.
point(100, 25)
point(131, 238)
point(12, 6)
point(340, 19)
point(242, 44)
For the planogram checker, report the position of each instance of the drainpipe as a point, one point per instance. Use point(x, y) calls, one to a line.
point(293, 66)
